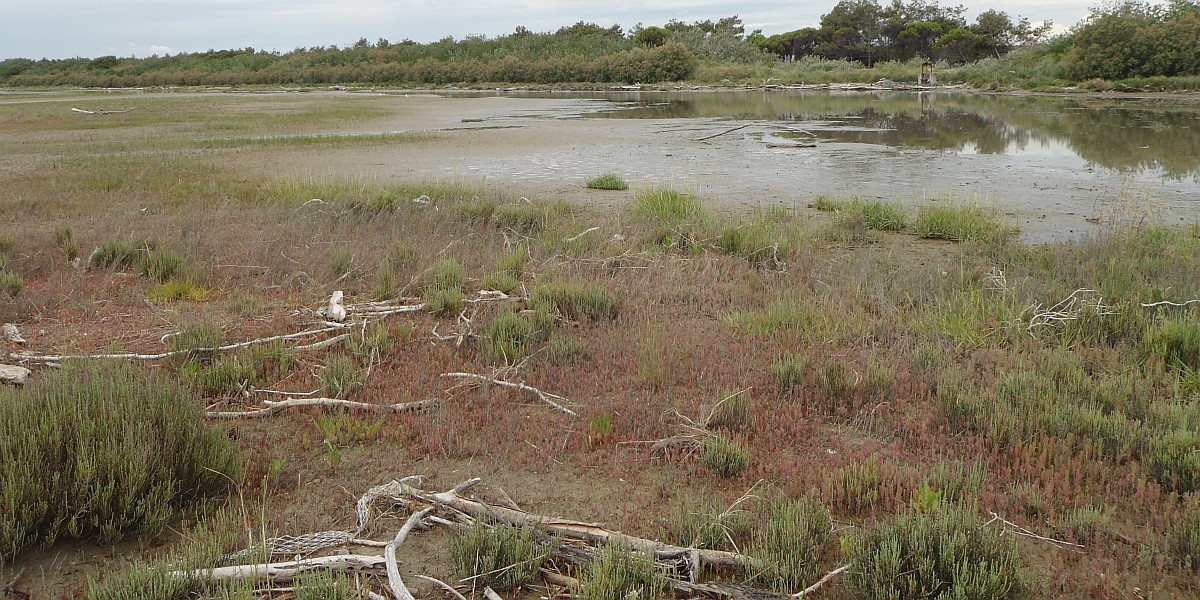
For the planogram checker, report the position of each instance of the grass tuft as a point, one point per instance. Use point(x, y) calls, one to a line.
point(947, 553)
point(960, 224)
point(666, 205)
point(789, 545)
point(724, 456)
point(608, 181)
point(500, 556)
point(619, 573)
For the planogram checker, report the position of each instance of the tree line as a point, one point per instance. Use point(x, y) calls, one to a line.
point(1129, 39)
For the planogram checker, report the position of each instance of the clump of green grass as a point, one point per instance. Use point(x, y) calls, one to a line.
point(340, 264)
point(789, 545)
point(576, 300)
point(343, 430)
point(341, 377)
point(883, 216)
point(1176, 341)
point(524, 217)
point(121, 254)
point(759, 243)
point(788, 370)
point(947, 553)
point(64, 239)
point(785, 317)
point(447, 274)
point(724, 456)
point(509, 338)
point(126, 449)
point(500, 556)
point(376, 340)
point(608, 181)
point(1174, 460)
point(667, 205)
point(826, 204)
point(619, 573)
point(703, 523)
point(227, 375)
point(960, 224)
point(162, 265)
point(444, 303)
point(11, 282)
point(855, 488)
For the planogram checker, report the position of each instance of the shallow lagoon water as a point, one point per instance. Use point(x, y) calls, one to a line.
point(1055, 165)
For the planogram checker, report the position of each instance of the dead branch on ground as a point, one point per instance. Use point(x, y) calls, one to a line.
point(275, 406)
point(1081, 302)
point(546, 397)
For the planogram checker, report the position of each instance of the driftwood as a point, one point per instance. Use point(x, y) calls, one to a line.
point(284, 571)
point(389, 556)
point(588, 532)
point(822, 581)
point(543, 396)
point(709, 137)
point(101, 112)
point(275, 406)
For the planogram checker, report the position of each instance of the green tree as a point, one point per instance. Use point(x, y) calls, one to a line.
point(652, 36)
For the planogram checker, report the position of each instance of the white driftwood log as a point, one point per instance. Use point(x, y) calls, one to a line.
point(543, 396)
point(399, 590)
point(283, 571)
point(588, 532)
point(273, 406)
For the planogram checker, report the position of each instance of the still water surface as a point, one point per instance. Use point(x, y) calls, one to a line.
point(1054, 165)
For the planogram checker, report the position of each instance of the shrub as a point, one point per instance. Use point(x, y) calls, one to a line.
point(395, 268)
point(618, 573)
point(126, 449)
point(667, 205)
point(501, 556)
point(195, 338)
point(947, 553)
point(503, 281)
point(791, 542)
point(724, 456)
point(608, 181)
point(855, 488)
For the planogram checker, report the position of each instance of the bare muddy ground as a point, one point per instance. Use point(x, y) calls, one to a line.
point(540, 145)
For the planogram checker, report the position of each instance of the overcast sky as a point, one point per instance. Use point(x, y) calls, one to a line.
point(69, 28)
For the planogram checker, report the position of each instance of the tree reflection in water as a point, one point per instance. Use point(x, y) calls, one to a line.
point(1119, 135)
